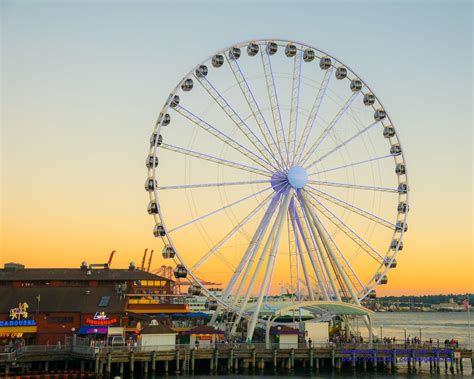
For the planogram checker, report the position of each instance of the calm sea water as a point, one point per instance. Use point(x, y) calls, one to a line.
point(434, 325)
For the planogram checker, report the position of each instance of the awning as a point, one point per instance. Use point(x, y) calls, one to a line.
point(315, 307)
point(93, 330)
point(18, 329)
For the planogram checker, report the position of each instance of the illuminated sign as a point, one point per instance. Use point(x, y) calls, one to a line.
point(18, 323)
point(100, 318)
point(20, 312)
point(11, 335)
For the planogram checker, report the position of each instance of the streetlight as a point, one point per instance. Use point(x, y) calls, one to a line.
point(405, 340)
point(381, 332)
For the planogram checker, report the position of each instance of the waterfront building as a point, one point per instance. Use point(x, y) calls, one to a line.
point(47, 305)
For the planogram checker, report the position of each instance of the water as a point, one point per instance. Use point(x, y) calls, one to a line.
point(434, 325)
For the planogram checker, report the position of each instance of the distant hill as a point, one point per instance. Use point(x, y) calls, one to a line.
point(428, 299)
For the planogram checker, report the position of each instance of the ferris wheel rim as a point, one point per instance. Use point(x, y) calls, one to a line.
point(153, 151)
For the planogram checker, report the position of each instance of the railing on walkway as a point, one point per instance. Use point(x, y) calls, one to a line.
point(86, 350)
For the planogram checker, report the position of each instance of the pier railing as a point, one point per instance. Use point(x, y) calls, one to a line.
point(88, 351)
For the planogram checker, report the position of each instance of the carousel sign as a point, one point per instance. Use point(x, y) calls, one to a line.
point(100, 318)
point(20, 312)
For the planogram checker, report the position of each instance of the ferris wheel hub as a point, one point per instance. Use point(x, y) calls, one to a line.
point(297, 177)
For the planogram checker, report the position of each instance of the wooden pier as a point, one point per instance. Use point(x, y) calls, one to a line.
point(230, 358)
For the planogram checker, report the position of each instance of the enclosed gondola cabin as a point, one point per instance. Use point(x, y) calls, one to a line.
point(393, 264)
point(168, 252)
point(194, 290)
point(341, 73)
point(234, 53)
point(252, 49)
point(325, 63)
point(201, 71)
point(217, 60)
point(309, 55)
point(272, 48)
point(356, 85)
point(290, 50)
point(150, 184)
point(369, 99)
point(159, 231)
point(187, 85)
point(180, 272)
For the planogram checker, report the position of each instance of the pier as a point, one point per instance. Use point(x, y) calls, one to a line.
point(105, 361)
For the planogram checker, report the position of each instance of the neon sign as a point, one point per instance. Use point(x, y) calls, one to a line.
point(20, 312)
point(18, 323)
point(100, 318)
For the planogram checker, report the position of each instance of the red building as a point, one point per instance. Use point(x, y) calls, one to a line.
point(44, 306)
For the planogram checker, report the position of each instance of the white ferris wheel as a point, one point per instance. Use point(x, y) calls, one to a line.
point(273, 162)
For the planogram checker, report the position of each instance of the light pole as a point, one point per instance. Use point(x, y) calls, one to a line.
point(405, 340)
point(381, 332)
point(420, 335)
point(73, 331)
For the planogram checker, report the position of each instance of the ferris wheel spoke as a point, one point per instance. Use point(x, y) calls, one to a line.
point(334, 244)
point(223, 137)
point(299, 252)
point(275, 243)
point(344, 281)
point(354, 186)
point(248, 257)
point(352, 164)
point(295, 99)
point(274, 104)
point(328, 129)
point(219, 210)
point(229, 235)
point(351, 207)
point(313, 113)
point(330, 152)
point(345, 228)
point(210, 158)
point(321, 252)
point(309, 244)
point(238, 121)
point(206, 185)
point(268, 243)
point(256, 112)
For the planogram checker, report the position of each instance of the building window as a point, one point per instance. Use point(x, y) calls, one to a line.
point(104, 301)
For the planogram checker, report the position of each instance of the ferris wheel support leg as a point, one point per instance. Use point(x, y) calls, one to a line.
point(307, 240)
point(307, 211)
point(333, 257)
point(300, 255)
point(249, 253)
point(276, 243)
point(254, 275)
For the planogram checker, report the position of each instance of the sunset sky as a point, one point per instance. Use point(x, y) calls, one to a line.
point(82, 85)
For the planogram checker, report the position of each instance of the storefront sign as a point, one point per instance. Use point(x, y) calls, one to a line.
point(20, 312)
point(100, 318)
point(18, 323)
point(11, 335)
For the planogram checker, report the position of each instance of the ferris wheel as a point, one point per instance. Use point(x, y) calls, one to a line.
point(273, 162)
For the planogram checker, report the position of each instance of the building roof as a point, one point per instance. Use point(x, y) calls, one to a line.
point(204, 329)
point(283, 329)
point(317, 308)
point(157, 329)
point(75, 274)
point(60, 299)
